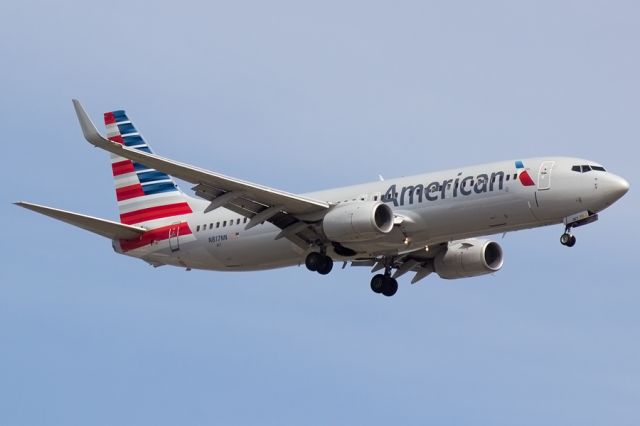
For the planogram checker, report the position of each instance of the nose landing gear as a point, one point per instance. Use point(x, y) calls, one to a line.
point(568, 240)
point(573, 221)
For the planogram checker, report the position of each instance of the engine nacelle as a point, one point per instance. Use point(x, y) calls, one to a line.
point(358, 221)
point(468, 258)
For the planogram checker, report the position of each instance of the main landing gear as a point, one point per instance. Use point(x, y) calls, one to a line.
point(318, 262)
point(384, 284)
point(380, 283)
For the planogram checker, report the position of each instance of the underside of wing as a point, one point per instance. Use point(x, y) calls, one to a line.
point(419, 260)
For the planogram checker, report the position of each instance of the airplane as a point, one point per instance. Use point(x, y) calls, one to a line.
point(422, 224)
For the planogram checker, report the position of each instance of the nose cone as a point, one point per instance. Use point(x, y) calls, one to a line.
point(615, 187)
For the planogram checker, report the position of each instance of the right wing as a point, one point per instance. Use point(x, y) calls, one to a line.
point(244, 197)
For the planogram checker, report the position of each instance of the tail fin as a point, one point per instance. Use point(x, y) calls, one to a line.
point(143, 194)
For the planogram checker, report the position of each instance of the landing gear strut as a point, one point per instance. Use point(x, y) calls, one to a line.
point(318, 262)
point(384, 284)
point(567, 239)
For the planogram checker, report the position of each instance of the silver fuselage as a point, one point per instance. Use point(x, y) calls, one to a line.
point(430, 208)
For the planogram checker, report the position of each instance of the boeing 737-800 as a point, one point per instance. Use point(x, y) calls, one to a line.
point(423, 224)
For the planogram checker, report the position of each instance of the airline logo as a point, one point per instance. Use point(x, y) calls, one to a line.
point(523, 174)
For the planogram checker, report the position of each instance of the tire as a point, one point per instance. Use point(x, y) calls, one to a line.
point(325, 266)
point(377, 283)
point(390, 287)
point(565, 239)
point(313, 261)
point(572, 241)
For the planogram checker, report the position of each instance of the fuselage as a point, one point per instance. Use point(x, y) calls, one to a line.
point(429, 208)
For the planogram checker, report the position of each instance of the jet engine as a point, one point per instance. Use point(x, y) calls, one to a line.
point(468, 258)
point(358, 221)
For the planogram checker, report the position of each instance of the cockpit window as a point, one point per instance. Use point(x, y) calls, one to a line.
point(586, 168)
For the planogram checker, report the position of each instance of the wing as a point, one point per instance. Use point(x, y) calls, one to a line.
point(257, 202)
point(418, 260)
point(106, 228)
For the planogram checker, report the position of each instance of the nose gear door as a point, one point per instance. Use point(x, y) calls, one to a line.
point(544, 176)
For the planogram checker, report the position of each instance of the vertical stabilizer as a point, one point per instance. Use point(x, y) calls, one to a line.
point(145, 196)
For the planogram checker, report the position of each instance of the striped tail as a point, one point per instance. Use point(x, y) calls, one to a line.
point(145, 196)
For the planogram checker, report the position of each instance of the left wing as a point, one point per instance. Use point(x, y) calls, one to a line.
point(419, 260)
point(260, 203)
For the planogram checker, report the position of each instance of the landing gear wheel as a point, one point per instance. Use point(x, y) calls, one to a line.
point(572, 241)
point(377, 283)
point(313, 261)
point(390, 286)
point(565, 239)
point(325, 266)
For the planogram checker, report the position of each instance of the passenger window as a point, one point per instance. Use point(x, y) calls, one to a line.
point(198, 228)
point(211, 226)
point(515, 176)
point(238, 221)
point(508, 176)
point(245, 220)
point(375, 198)
point(224, 223)
point(217, 224)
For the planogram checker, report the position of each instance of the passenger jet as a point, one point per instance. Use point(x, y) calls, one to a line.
point(422, 224)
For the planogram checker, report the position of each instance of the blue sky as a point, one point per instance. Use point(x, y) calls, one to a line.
point(303, 97)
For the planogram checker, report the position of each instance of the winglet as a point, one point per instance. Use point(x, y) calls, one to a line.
point(89, 130)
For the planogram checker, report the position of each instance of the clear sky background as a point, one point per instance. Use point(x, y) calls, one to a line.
point(304, 97)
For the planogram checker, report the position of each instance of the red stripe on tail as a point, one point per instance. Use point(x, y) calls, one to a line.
point(122, 167)
point(153, 235)
point(109, 118)
point(117, 138)
point(157, 212)
point(131, 191)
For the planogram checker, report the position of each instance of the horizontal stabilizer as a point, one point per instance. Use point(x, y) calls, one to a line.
point(106, 228)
